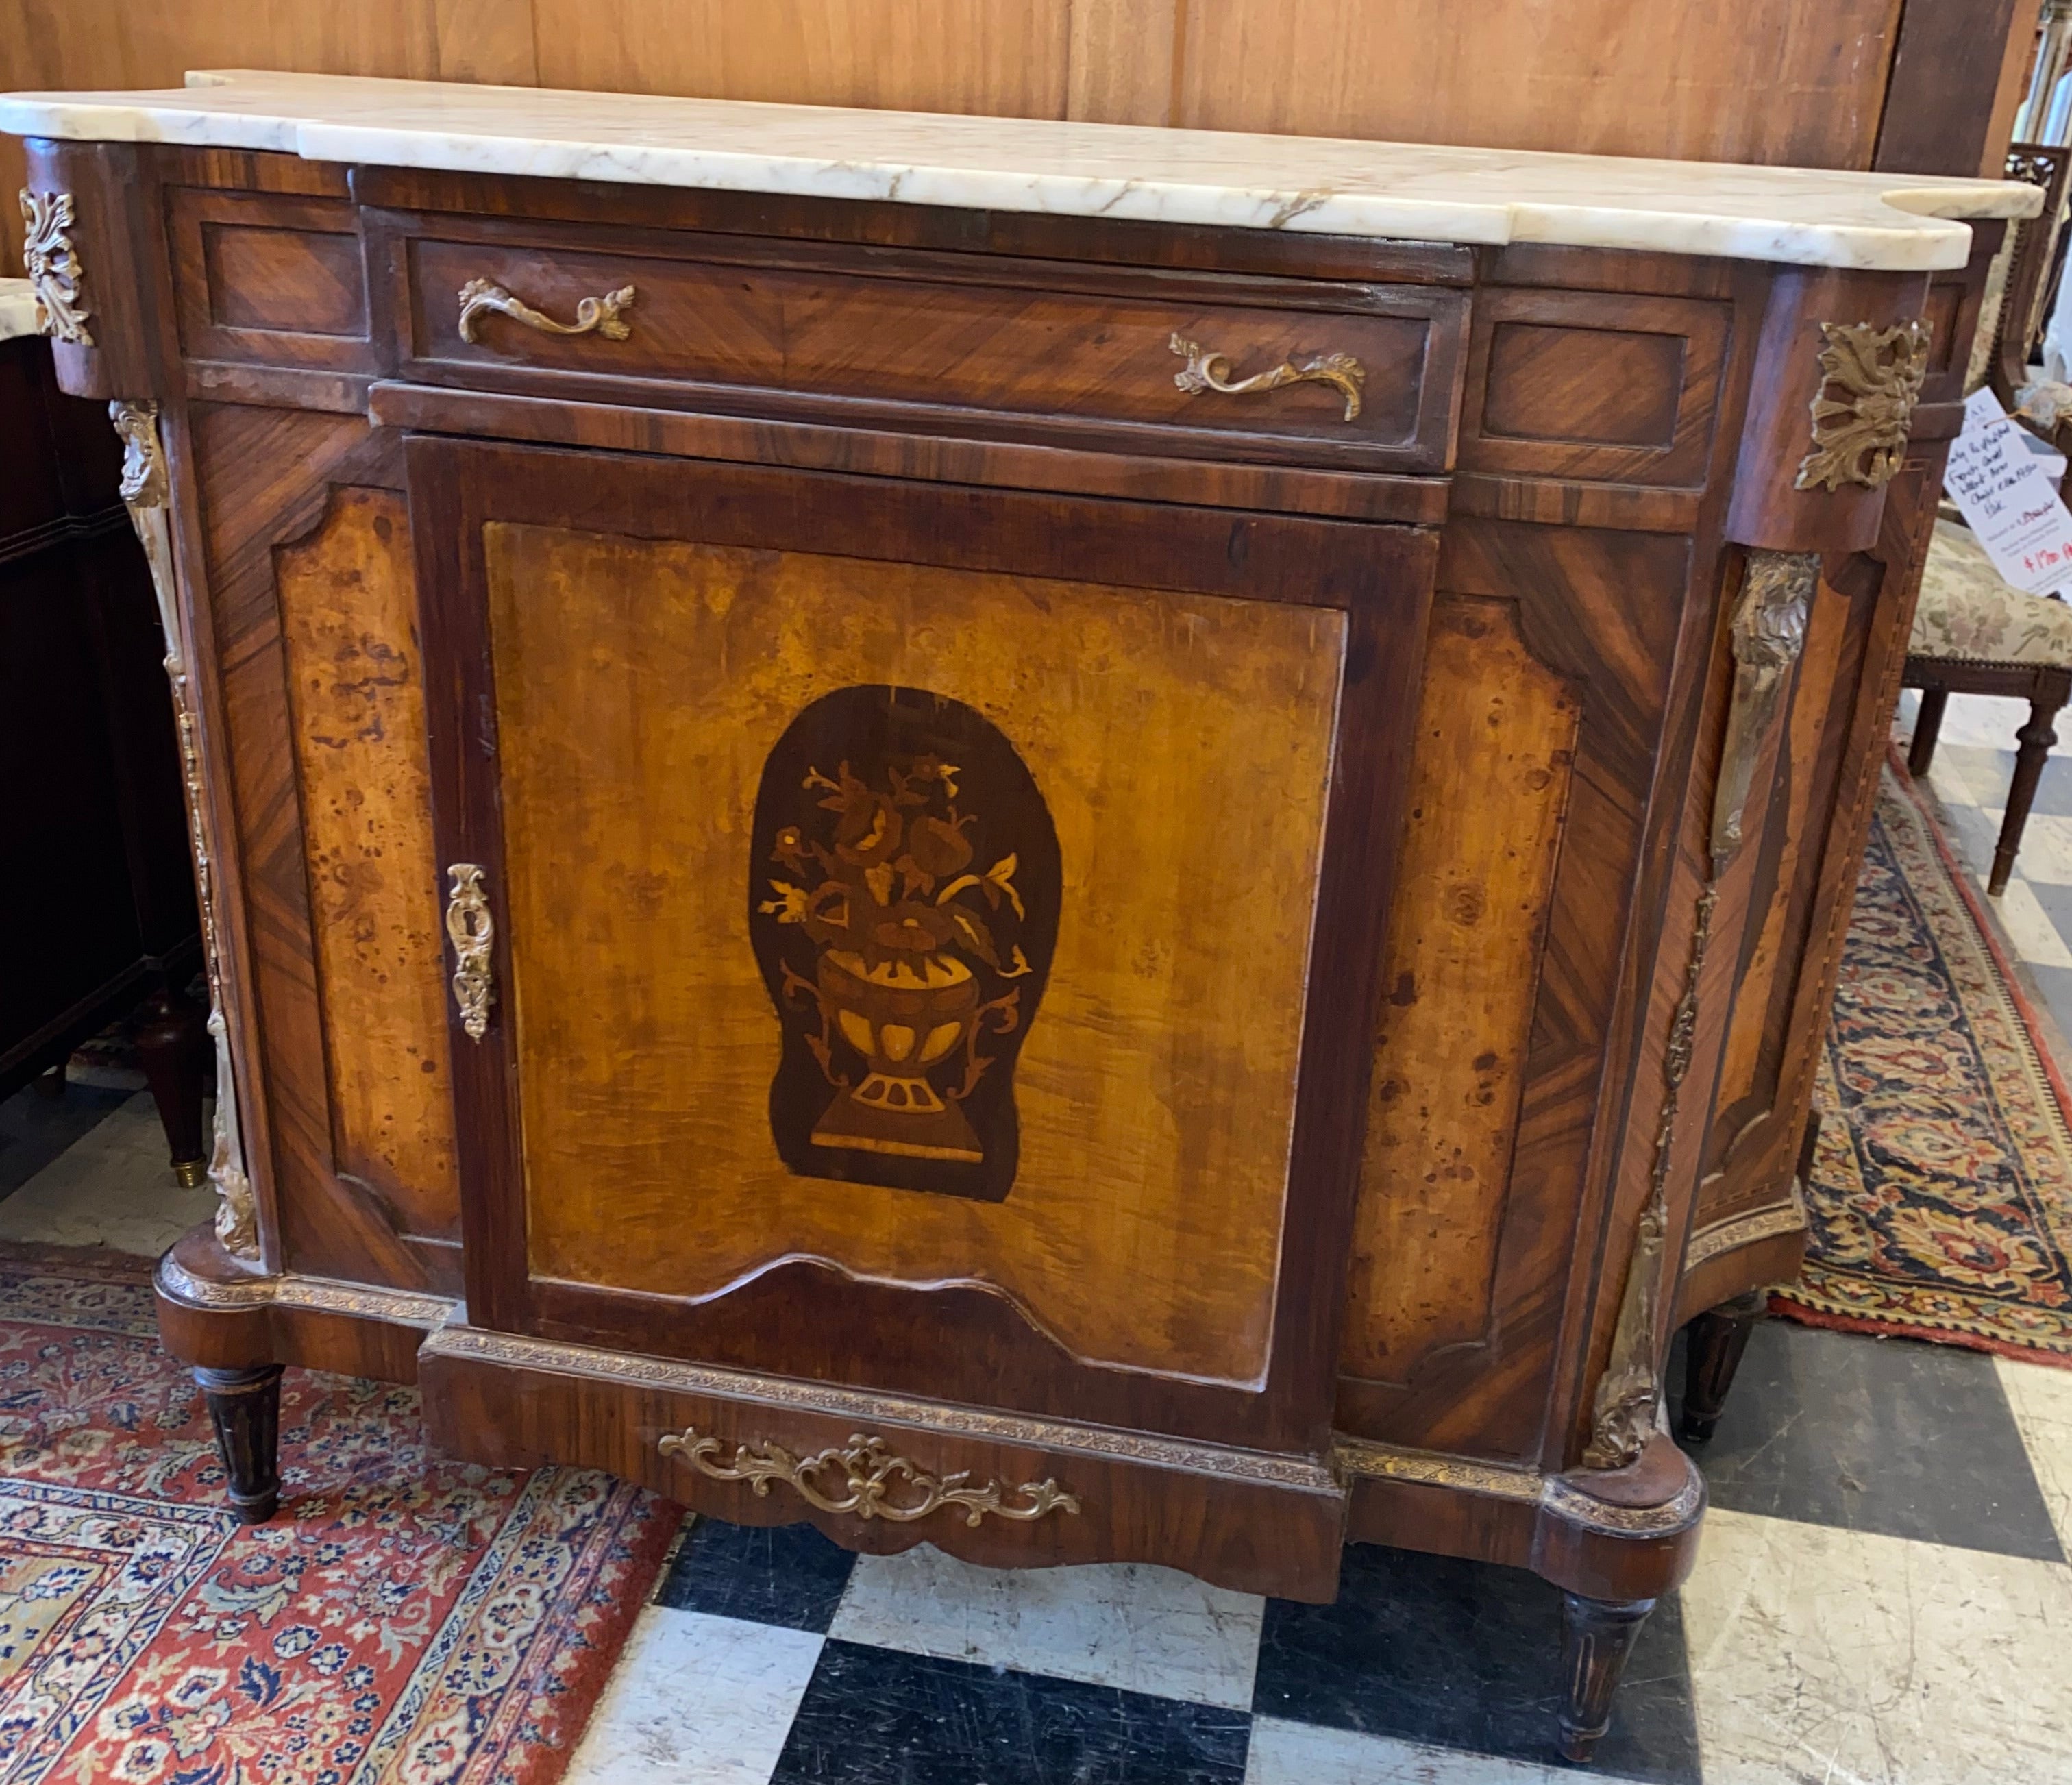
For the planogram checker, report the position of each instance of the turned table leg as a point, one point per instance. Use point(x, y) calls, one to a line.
point(245, 1407)
point(1715, 1341)
point(1597, 1637)
point(173, 1047)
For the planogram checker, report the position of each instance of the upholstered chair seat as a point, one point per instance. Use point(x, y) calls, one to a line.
point(1975, 633)
point(1967, 612)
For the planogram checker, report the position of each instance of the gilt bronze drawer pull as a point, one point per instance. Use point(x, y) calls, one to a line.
point(599, 315)
point(1207, 371)
point(860, 1478)
point(471, 930)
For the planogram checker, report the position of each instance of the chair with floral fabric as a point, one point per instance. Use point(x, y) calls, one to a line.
point(1975, 633)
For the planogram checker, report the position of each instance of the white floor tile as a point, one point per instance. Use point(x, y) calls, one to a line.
point(1836, 1656)
point(696, 1701)
point(1301, 1753)
point(1957, 781)
point(2041, 1398)
point(1141, 1628)
point(2028, 925)
point(1986, 722)
point(1971, 832)
point(111, 1187)
point(2046, 849)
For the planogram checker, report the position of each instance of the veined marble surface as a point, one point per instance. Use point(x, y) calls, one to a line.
point(1886, 221)
point(17, 309)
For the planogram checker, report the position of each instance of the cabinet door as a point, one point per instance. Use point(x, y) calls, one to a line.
point(928, 934)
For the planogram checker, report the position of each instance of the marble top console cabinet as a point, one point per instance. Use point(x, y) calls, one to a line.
point(1086, 843)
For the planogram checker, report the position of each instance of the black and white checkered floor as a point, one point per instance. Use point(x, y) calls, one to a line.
point(1882, 1596)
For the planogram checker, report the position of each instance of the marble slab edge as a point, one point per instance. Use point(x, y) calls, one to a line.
point(1483, 197)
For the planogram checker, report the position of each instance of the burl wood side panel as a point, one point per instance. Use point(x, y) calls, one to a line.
point(349, 615)
point(1597, 617)
point(1181, 743)
point(262, 478)
point(1496, 736)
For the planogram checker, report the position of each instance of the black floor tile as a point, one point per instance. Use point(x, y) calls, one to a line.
point(34, 1129)
point(877, 1716)
point(786, 1574)
point(1888, 1435)
point(1464, 1654)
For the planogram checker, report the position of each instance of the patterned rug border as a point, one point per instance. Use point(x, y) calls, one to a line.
point(2008, 983)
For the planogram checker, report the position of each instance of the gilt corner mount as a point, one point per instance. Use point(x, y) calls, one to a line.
point(1870, 380)
point(52, 264)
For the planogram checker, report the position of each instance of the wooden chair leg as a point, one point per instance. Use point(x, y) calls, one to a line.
point(2035, 740)
point(1927, 727)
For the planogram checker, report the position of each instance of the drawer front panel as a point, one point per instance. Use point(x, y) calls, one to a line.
point(269, 280)
point(1181, 364)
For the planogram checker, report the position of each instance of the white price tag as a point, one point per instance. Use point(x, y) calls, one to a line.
point(2001, 489)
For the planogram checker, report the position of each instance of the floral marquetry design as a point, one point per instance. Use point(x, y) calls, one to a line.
point(904, 901)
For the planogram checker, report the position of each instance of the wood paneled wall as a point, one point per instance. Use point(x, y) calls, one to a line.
point(1799, 81)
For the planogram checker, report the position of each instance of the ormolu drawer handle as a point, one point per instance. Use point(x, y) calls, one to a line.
point(479, 297)
point(1205, 370)
point(471, 929)
point(860, 1478)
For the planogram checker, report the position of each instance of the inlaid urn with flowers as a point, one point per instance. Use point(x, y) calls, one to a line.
point(895, 897)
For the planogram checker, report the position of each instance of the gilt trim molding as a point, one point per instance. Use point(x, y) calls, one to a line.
point(145, 491)
point(1555, 1493)
point(866, 1407)
point(312, 1294)
point(1738, 1230)
point(871, 1474)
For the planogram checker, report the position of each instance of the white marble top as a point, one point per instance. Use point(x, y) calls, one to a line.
point(17, 309)
point(1891, 222)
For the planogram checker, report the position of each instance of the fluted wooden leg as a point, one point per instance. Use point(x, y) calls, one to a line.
point(1597, 1637)
point(244, 1406)
point(1714, 1342)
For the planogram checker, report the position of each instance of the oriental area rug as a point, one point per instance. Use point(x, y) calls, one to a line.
point(1941, 1195)
point(402, 1620)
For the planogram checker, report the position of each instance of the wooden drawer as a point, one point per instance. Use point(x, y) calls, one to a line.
point(967, 341)
point(266, 280)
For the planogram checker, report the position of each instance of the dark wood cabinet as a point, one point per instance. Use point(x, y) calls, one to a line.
point(1083, 889)
point(97, 902)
